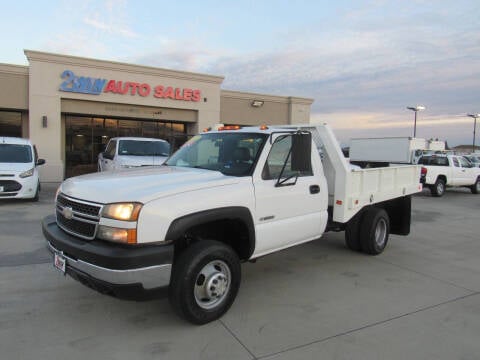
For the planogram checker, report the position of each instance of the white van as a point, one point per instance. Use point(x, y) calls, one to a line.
point(128, 152)
point(18, 169)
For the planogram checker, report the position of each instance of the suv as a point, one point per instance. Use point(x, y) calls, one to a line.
point(18, 169)
point(128, 152)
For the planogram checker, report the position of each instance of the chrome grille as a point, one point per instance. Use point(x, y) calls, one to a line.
point(78, 217)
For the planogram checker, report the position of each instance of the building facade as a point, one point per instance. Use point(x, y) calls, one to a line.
point(70, 107)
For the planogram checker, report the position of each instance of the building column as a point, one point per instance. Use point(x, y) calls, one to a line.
point(47, 135)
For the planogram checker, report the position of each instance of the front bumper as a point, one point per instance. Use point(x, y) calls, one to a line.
point(18, 188)
point(130, 272)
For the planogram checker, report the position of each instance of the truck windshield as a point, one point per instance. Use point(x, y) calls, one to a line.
point(230, 153)
point(12, 153)
point(143, 148)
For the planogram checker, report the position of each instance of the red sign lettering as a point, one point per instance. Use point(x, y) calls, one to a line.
point(159, 91)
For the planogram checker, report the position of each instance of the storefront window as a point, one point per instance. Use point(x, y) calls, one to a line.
point(86, 137)
point(10, 123)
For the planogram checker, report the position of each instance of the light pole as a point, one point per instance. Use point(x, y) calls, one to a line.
point(474, 116)
point(416, 109)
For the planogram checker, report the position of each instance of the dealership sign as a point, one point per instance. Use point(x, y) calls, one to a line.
point(96, 86)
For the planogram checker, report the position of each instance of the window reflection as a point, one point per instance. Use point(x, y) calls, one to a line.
point(10, 123)
point(86, 137)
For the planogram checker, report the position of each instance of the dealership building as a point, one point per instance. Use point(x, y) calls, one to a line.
point(69, 107)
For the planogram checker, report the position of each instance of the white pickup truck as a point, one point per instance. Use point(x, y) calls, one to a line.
point(451, 171)
point(224, 197)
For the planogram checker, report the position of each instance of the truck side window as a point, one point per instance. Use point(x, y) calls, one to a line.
point(464, 163)
point(276, 158)
point(455, 162)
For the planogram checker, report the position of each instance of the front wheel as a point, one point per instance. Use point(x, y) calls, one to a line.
point(36, 195)
point(374, 231)
point(205, 281)
point(475, 188)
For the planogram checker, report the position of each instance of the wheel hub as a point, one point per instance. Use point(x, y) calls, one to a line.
point(216, 286)
point(212, 284)
point(381, 232)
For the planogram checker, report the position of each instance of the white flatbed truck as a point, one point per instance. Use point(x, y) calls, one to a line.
point(225, 197)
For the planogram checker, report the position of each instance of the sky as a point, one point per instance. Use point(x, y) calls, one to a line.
point(362, 62)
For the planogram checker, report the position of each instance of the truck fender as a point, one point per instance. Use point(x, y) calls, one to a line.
point(181, 225)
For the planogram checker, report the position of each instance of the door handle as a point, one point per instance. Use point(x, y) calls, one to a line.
point(314, 189)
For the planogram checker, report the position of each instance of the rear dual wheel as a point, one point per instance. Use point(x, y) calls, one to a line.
point(369, 231)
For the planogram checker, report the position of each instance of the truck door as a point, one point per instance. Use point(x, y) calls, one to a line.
point(456, 171)
point(288, 213)
point(466, 173)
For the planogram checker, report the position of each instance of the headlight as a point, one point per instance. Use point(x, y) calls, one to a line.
point(27, 173)
point(122, 211)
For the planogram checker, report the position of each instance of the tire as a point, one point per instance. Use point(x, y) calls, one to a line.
point(374, 231)
point(439, 188)
point(205, 281)
point(475, 188)
point(36, 196)
point(352, 234)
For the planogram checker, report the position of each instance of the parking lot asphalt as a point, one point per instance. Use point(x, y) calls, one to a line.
point(420, 299)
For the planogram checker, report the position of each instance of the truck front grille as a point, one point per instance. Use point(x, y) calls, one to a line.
point(78, 217)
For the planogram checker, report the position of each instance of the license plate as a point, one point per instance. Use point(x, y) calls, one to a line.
point(1, 188)
point(60, 262)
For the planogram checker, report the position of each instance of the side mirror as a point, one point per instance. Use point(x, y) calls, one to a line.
point(301, 151)
point(40, 162)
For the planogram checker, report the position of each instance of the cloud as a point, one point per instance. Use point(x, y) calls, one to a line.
point(187, 55)
point(111, 27)
point(103, 23)
point(456, 128)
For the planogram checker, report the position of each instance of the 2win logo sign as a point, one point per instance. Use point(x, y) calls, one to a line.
point(95, 86)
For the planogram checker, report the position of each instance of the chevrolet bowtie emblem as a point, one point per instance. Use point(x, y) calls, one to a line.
point(67, 212)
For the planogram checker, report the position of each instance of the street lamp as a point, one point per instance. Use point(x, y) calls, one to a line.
point(416, 109)
point(474, 116)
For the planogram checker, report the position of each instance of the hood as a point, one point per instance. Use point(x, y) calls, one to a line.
point(142, 184)
point(15, 168)
point(130, 160)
